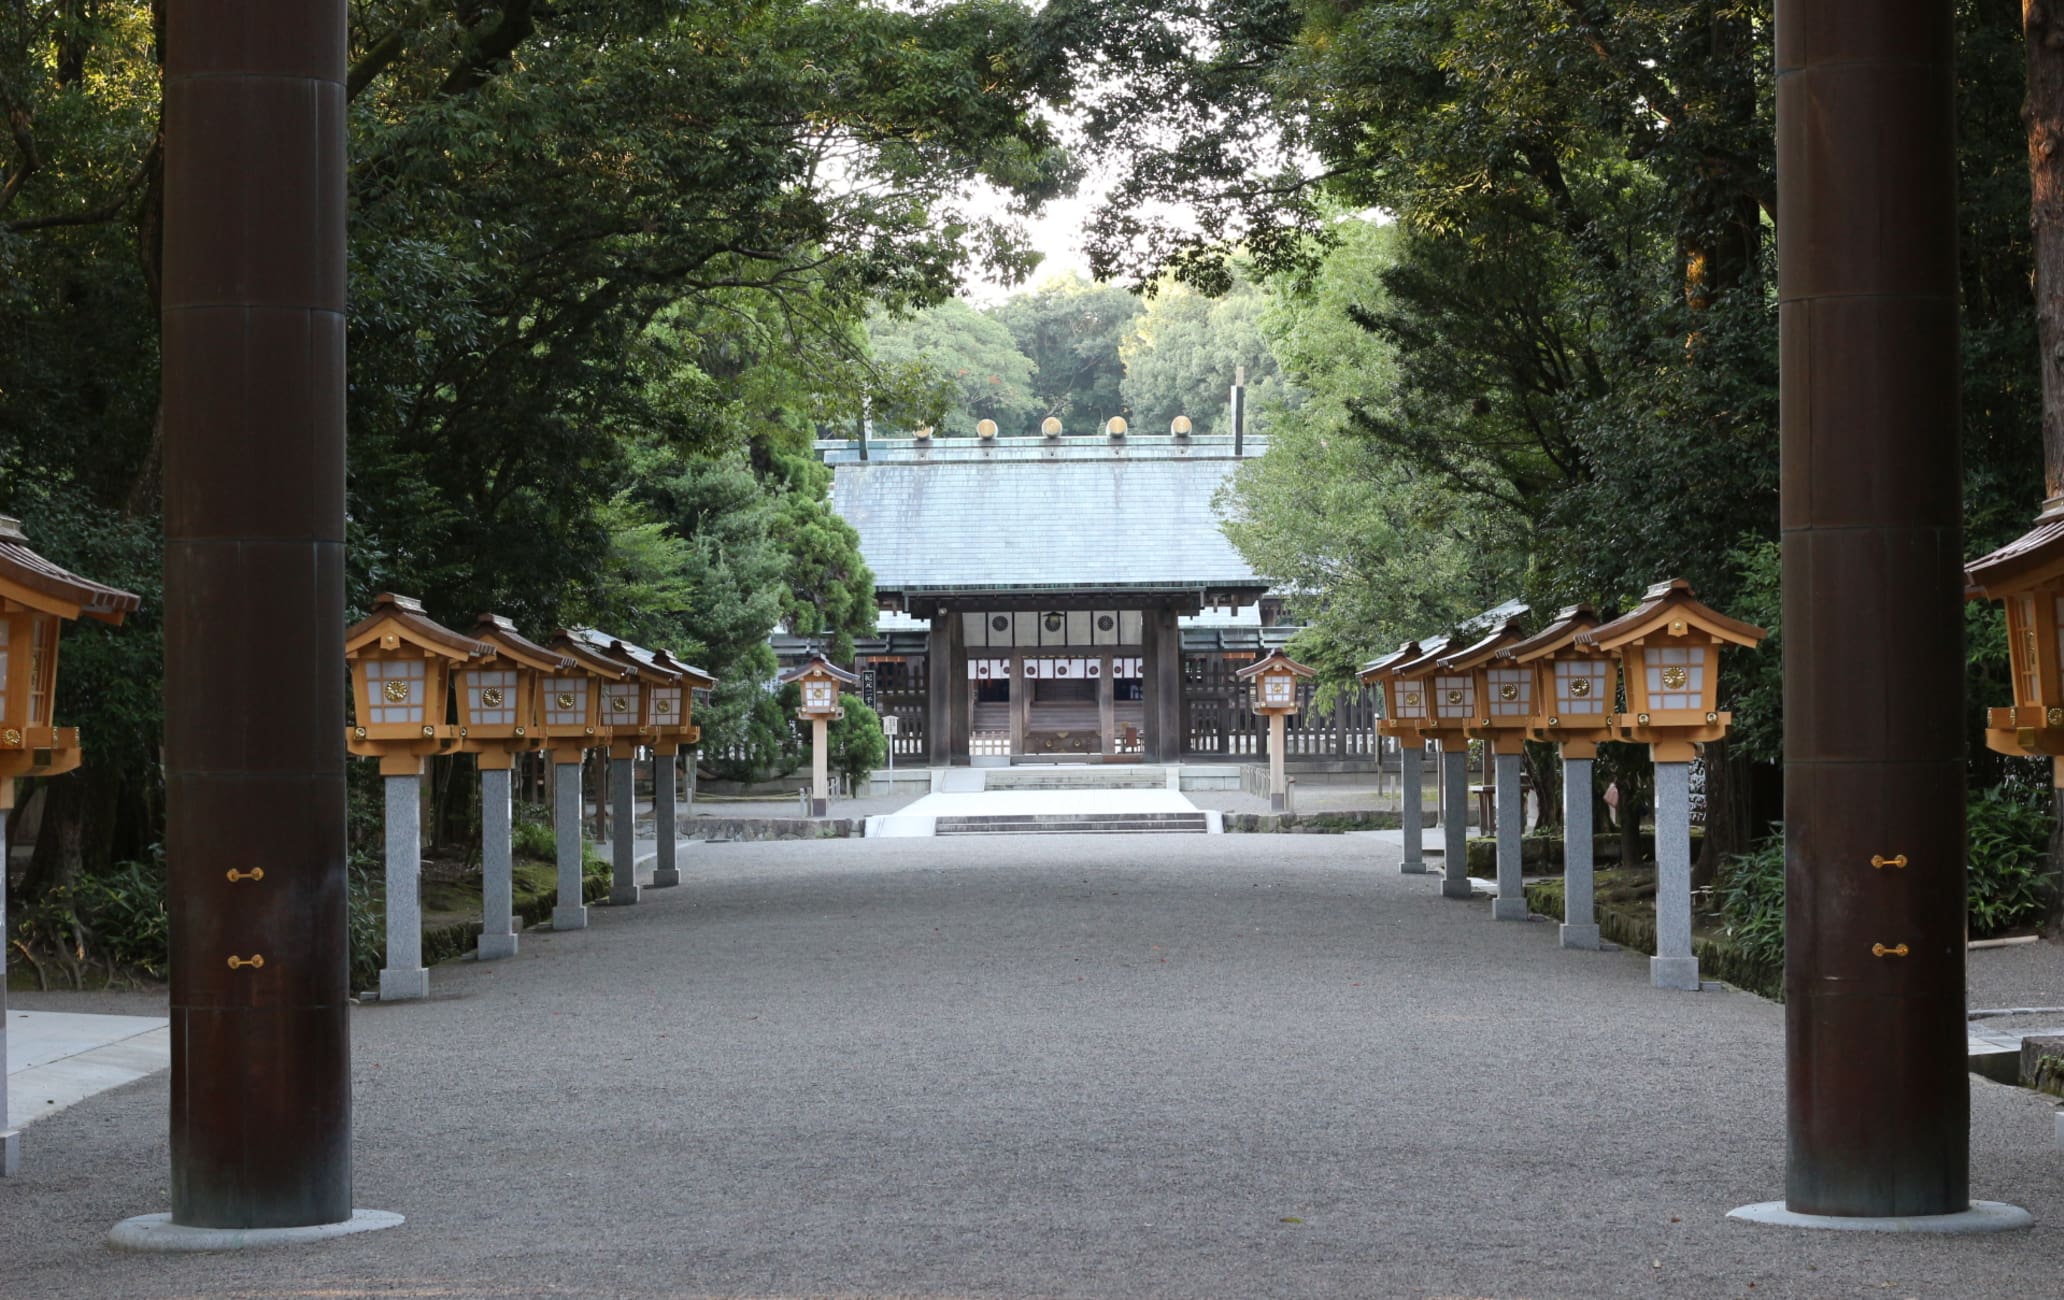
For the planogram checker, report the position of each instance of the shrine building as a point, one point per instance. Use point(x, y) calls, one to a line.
point(1063, 599)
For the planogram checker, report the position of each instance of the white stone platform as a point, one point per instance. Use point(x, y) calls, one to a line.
point(920, 818)
point(56, 1059)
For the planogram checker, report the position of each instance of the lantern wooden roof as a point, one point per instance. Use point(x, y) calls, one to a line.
point(1670, 608)
point(1570, 629)
point(26, 578)
point(1503, 636)
point(2027, 562)
point(1274, 662)
point(697, 678)
point(568, 642)
point(648, 663)
point(500, 633)
point(1430, 653)
point(403, 618)
point(818, 666)
point(1376, 671)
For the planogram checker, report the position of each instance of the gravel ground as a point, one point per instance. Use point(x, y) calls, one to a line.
point(1185, 1066)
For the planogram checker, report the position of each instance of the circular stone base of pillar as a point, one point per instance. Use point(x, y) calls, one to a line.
point(665, 877)
point(569, 918)
point(1456, 889)
point(158, 1232)
point(1411, 868)
point(1983, 1216)
point(1509, 909)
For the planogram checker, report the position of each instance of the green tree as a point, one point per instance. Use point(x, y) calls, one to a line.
point(1184, 351)
point(973, 365)
point(1073, 330)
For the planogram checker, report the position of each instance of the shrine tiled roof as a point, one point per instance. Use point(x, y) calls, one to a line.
point(1120, 521)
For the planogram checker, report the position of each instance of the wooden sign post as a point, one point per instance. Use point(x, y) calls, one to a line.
point(36, 600)
point(1275, 681)
point(401, 665)
point(1404, 708)
point(1573, 690)
point(1669, 650)
point(1503, 692)
point(820, 680)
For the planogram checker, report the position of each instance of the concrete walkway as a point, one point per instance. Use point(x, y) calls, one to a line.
point(57, 1059)
point(1186, 1066)
point(920, 818)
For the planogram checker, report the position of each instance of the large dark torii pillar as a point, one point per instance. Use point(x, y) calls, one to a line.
point(1878, 1097)
point(253, 402)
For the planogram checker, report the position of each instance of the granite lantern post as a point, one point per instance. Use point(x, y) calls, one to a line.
point(1275, 679)
point(573, 726)
point(501, 715)
point(668, 701)
point(1669, 648)
point(37, 598)
point(1448, 702)
point(820, 680)
point(401, 665)
point(1403, 712)
point(1504, 695)
point(1574, 693)
point(625, 706)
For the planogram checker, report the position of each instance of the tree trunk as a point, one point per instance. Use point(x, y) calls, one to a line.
point(1730, 825)
point(2043, 114)
point(1544, 769)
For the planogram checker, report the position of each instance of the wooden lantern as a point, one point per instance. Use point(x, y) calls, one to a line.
point(502, 703)
point(1669, 650)
point(2027, 576)
point(1502, 691)
point(1410, 695)
point(819, 679)
point(628, 703)
point(574, 696)
point(1274, 678)
point(401, 665)
point(36, 599)
point(1575, 683)
point(692, 679)
point(1403, 707)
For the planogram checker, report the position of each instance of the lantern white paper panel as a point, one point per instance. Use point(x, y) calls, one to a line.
point(5, 632)
point(395, 690)
point(491, 698)
point(42, 629)
point(620, 705)
point(1676, 677)
point(1583, 686)
point(1454, 696)
point(665, 708)
point(1512, 692)
point(566, 701)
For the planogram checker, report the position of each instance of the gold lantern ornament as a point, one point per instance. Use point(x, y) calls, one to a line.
point(2027, 576)
point(37, 598)
point(401, 666)
point(1575, 683)
point(1669, 651)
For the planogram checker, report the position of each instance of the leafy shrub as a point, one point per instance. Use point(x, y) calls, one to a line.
point(366, 924)
point(2009, 832)
point(535, 840)
point(123, 910)
point(1752, 894)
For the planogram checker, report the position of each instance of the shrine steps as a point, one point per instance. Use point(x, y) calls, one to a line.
point(1103, 776)
point(1125, 823)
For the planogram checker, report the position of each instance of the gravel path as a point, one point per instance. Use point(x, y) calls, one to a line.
point(1186, 1066)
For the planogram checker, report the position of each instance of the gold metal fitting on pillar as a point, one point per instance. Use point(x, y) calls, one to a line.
point(1880, 950)
point(255, 873)
point(256, 962)
point(1882, 862)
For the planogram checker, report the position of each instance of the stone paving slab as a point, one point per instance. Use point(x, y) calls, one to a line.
point(57, 1059)
point(1186, 1066)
